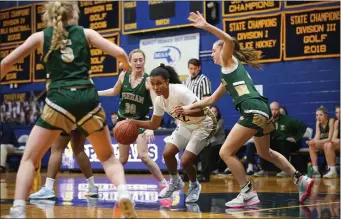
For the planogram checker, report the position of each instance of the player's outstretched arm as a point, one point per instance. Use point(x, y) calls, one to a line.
point(151, 124)
point(198, 112)
point(115, 90)
point(21, 52)
point(199, 21)
point(221, 90)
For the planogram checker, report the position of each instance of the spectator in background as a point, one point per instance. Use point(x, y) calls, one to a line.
point(283, 110)
point(250, 158)
point(197, 82)
point(285, 139)
point(210, 155)
point(332, 146)
point(114, 118)
point(8, 141)
point(323, 134)
point(288, 134)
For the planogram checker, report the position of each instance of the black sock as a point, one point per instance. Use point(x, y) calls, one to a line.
point(296, 177)
point(246, 187)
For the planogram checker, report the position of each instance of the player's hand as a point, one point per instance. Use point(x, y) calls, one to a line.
point(124, 66)
point(178, 110)
point(197, 20)
point(311, 142)
point(291, 139)
point(181, 110)
point(149, 136)
point(130, 120)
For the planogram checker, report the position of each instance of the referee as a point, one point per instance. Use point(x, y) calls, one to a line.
point(199, 85)
point(197, 82)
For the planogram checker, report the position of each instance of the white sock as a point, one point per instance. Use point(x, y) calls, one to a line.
point(332, 169)
point(194, 183)
point(49, 183)
point(91, 181)
point(18, 203)
point(175, 178)
point(122, 188)
point(249, 167)
point(315, 168)
point(163, 182)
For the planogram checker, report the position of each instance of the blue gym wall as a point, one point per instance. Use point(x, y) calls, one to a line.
point(301, 86)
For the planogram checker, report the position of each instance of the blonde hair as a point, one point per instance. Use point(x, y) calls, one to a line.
point(56, 14)
point(136, 51)
point(247, 55)
point(323, 110)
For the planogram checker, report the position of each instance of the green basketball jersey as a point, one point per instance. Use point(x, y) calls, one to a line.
point(239, 85)
point(135, 102)
point(71, 66)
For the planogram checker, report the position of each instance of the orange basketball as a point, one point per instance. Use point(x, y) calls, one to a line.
point(125, 132)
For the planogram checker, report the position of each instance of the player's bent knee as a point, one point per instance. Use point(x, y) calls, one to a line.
point(223, 153)
point(144, 158)
point(104, 157)
point(184, 163)
point(327, 146)
point(78, 150)
point(168, 154)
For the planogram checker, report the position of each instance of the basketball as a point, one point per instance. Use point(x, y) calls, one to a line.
point(125, 132)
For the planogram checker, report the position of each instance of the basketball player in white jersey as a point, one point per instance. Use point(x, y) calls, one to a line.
point(191, 134)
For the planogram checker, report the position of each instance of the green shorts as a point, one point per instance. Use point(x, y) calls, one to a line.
point(256, 114)
point(66, 107)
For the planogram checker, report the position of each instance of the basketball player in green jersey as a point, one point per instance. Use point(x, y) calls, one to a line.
point(135, 102)
point(254, 114)
point(71, 98)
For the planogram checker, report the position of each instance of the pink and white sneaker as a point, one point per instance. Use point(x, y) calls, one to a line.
point(162, 186)
point(243, 200)
point(304, 187)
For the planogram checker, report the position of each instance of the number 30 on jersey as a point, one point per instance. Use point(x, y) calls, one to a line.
point(130, 108)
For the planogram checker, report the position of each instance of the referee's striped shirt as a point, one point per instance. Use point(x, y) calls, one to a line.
point(200, 85)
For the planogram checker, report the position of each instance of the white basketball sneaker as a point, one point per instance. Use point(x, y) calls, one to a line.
point(243, 200)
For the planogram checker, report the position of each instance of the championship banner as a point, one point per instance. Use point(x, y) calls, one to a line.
point(102, 16)
point(312, 33)
point(175, 51)
point(15, 25)
point(103, 64)
point(237, 7)
point(295, 4)
point(155, 151)
point(21, 108)
point(259, 32)
point(20, 72)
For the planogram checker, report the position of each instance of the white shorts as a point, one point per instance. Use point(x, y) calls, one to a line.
point(194, 137)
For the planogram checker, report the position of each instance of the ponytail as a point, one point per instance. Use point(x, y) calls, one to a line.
point(167, 73)
point(247, 55)
point(56, 14)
